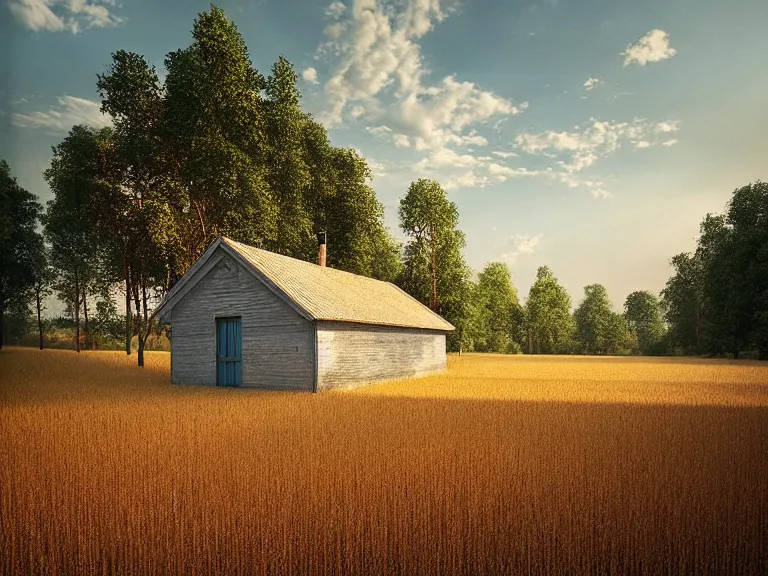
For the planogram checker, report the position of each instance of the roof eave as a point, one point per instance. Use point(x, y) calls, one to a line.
point(449, 328)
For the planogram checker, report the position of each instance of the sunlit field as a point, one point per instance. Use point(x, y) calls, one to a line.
point(504, 465)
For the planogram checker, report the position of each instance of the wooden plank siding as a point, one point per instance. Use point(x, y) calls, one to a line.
point(352, 354)
point(278, 347)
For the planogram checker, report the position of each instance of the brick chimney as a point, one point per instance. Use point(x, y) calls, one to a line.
point(321, 249)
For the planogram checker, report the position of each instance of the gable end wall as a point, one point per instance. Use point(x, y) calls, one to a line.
point(277, 343)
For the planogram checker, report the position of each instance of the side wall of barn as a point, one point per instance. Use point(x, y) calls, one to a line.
point(277, 343)
point(353, 354)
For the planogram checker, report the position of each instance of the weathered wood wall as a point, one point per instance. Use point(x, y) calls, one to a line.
point(354, 354)
point(278, 344)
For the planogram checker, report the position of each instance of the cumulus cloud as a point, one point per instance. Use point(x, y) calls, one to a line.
point(379, 130)
point(591, 83)
point(653, 47)
point(583, 147)
point(72, 16)
point(670, 142)
point(335, 10)
point(672, 126)
point(69, 111)
point(310, 75)
point(376, 65)
point(521, 244)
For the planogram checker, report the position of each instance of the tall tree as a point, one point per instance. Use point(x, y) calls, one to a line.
point(642, 312)
point(215, 126)
point(430, 219)
point(43, 286)
point(289, 174)
point(72, 218)
point(734, 251)
point(434, 269)
point(498, 308)
point(619, 341)
point(683, 304)
point(595, 324)
point(550, 326)
point(143, 188)
point(19, 243)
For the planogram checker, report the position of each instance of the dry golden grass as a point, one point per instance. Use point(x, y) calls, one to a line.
point(503, 466)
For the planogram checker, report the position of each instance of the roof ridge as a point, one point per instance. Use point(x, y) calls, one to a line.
point(332, 294)
point(333, 270)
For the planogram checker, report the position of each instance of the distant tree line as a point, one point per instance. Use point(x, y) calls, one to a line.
point(220, 149)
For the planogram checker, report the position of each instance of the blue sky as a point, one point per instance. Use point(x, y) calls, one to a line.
point(589, 136)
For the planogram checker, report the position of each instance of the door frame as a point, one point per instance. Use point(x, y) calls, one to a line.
point(216, 321)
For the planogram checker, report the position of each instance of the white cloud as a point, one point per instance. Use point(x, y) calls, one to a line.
point(670, 142)
point(310, 75)
point(335, 10)
point(653, 47)
point(521, 244)
point(60, 118)
point(673, 126)
point(498, 124)
point(379, 130)
point(466, 180)
point(598, 136)
point(583, 147)
point(504, 154)
point(63, 15)
point(591, 83)
point(334, 31)
point(401, 141)
point(375, 62)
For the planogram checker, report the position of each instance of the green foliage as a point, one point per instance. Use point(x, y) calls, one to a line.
point(498, 311)
point(74, 225)
point(642, 312)
point(21, 247)
point(734, 251)
point(434, 270)
point(683, 304)
point(717, 300)
point(221, 149)
point(600, 330)
point(549, 325)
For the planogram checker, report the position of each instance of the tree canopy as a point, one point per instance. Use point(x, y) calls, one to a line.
point(220, 148)
point(20, 244)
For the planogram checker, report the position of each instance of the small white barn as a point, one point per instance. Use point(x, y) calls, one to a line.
point(243, 316)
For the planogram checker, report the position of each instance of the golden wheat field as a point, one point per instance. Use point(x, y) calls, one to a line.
point(505, 465)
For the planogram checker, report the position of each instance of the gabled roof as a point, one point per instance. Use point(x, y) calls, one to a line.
point(317, 292)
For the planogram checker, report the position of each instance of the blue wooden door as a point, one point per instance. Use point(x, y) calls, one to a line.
point(228, 345)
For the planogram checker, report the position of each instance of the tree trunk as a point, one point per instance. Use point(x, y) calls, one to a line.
point(698, 328)
point(77, 314)
point(85, 315)
point(127, 310)
point(39, 318)
point(143, 334)
point(434, 268)
point(137, 308)
point(530, 340)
